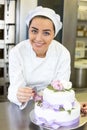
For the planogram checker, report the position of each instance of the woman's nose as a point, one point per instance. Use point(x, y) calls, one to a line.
point(39, 37)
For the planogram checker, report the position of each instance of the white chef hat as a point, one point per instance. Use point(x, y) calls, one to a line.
point(41, 11)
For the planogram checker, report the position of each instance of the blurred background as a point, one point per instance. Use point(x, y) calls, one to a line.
point(73, 35)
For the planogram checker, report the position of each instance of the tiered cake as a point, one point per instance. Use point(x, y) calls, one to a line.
point(58, 106)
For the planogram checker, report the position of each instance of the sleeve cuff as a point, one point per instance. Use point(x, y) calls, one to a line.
point(22, 106)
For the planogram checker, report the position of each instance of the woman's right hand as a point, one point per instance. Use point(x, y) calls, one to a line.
point(24, 94)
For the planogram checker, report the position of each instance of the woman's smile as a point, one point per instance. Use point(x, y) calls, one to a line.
point(38, 44)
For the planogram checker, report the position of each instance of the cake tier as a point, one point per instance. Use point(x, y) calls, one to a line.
point(60, 97)
point(57, 118)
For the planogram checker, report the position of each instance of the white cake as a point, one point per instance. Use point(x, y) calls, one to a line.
point(59, 106)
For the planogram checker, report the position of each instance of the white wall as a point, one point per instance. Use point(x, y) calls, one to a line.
point(25, 7)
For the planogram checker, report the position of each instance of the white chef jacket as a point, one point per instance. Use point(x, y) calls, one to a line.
point(26, 69)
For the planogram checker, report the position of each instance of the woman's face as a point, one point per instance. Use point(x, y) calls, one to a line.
point(41, 33)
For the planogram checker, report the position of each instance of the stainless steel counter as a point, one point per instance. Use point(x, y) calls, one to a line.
point(11, 118)
point(81, 96)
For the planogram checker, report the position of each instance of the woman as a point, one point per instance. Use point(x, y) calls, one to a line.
point(36, 62)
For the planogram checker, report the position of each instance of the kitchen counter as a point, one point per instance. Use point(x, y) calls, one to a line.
point(12, 118)
point(81, 96)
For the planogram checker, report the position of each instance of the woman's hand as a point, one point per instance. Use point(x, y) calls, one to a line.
point(84, 109)
point(24, 94)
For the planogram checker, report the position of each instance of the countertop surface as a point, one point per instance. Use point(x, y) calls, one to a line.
point(12, 118)
point(81, 96)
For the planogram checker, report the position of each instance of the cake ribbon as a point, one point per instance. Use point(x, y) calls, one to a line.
point(56, 125)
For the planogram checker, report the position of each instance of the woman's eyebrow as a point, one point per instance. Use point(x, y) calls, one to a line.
point(47, 30)
point(43, 29)
point(35, 28)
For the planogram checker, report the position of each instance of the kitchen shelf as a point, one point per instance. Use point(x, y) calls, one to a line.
point(81, 34)
point(7, 41)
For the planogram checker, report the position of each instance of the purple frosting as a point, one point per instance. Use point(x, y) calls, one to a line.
point(55, 125)
point(55, 107)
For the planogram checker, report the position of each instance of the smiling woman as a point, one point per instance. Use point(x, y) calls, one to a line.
point(30, 62)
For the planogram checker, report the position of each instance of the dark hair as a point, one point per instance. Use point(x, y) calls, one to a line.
point(40, 16)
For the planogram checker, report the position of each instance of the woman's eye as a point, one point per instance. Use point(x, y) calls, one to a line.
point(46, 33)
point(34, 31)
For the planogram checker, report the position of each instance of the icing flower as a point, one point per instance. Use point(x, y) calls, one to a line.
point(57, 85)
point(37, 98)
point(66, 85)
point(61, 85)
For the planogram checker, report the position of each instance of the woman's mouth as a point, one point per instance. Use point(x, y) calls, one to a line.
point(38, 44)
